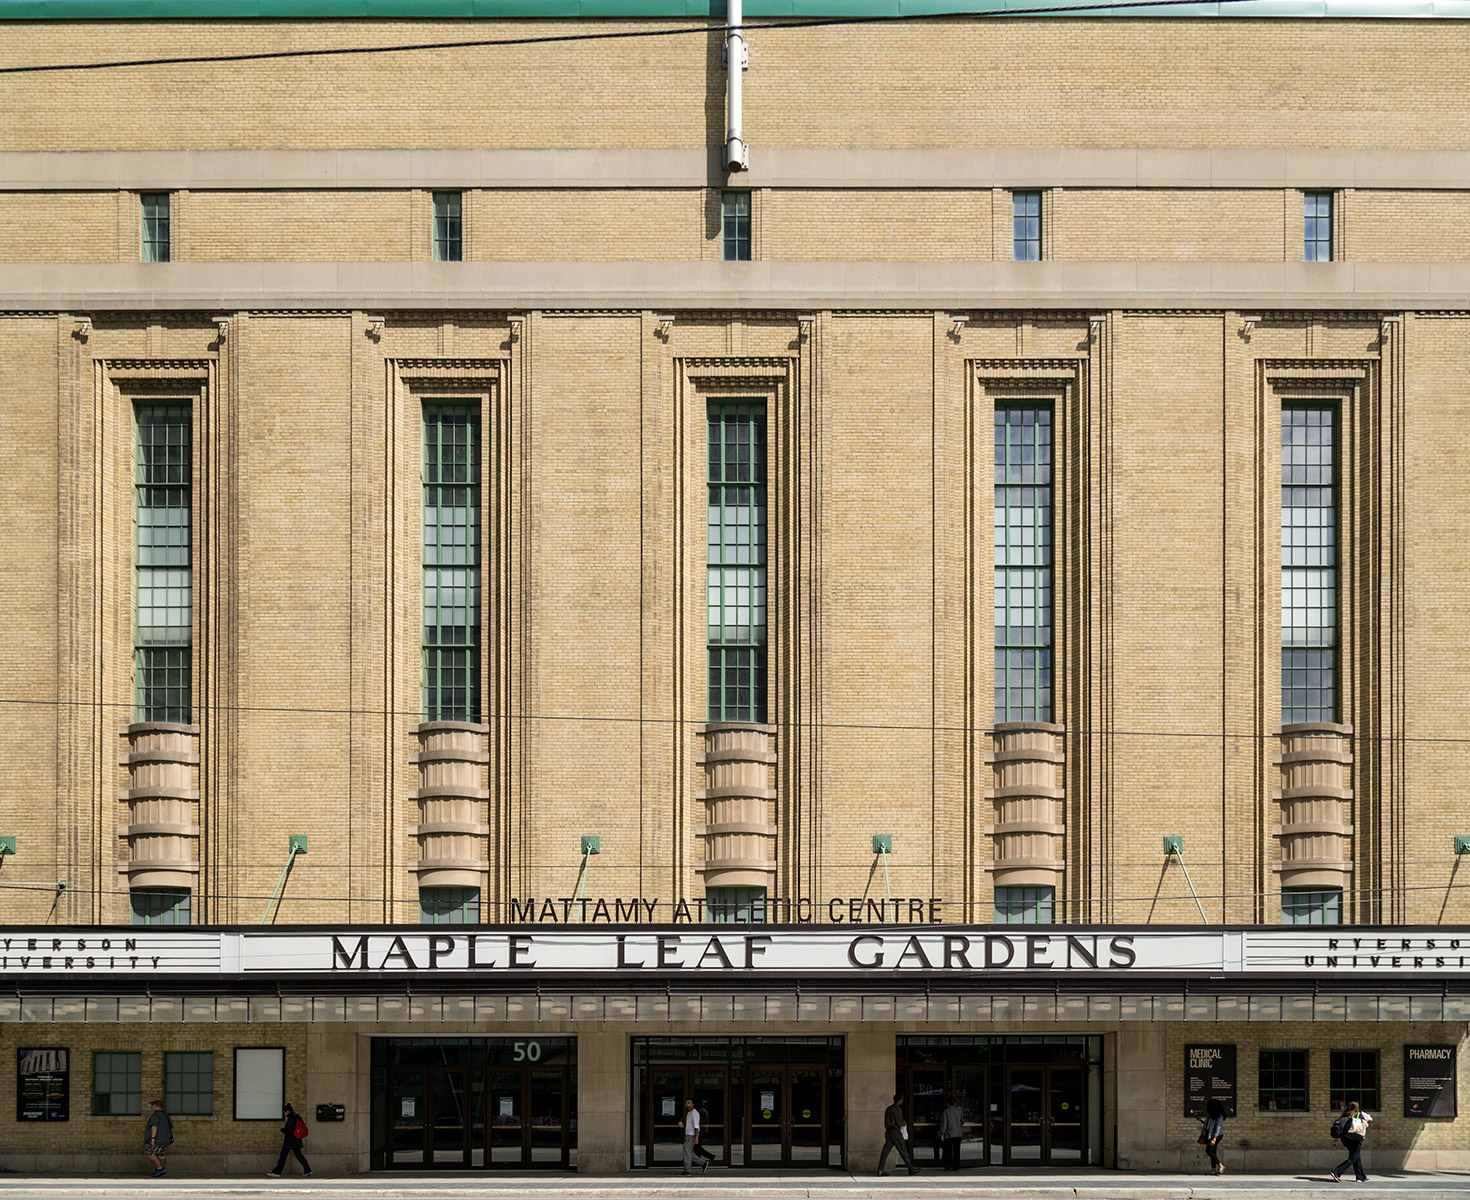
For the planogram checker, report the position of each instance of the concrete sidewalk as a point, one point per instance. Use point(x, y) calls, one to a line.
point(985, 1184)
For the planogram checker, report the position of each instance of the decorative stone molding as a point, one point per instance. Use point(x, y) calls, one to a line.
point(451, 836)
point(1029, 820)
point(1316, 789)
point(162, 796)
point(740, 829)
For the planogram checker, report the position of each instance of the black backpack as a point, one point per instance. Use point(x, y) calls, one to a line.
point(1340, 1126)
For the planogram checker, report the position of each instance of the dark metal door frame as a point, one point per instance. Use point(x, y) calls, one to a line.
point(1044, 1102)
point(786, 1072)
point(431, 1159)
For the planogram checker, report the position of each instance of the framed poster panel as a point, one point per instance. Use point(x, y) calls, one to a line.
point(1430, 1081)
point(1209, 1074)
point(260, 1083)
point(43, 1084)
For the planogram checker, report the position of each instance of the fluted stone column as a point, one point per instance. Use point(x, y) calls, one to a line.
point(1316, 791)
point(1028, 794)
point(451, 830)
point(162, 796)
point(739, 833)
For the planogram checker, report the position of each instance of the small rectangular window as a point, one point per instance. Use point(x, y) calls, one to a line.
point(1025, 905)
point(1026, 226)
point(1318, 230)
point(735, 905)
point(735, 223)
point(1353, 1076)
point(1283, 1081)
point(161, 906)
point(447, 226)
point(188, 1083)
point(1311, 906)
point(449, 906)
point(155, 227)
point(117, 1083)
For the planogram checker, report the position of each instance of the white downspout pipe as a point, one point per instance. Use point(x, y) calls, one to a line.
point(737, 157)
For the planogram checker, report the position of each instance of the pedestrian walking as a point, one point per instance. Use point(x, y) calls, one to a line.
point(158, 1136)
point(1212, 1131)
point(690, 1123)
point(951, 1130)
point(1352, 1139)
point(293, 1133)
point(896, 1137)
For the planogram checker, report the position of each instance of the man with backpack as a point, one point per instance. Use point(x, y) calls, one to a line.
point(1351, 1129)
point(293, 1133)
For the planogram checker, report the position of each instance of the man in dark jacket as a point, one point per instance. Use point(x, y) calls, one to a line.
point(895, 1137)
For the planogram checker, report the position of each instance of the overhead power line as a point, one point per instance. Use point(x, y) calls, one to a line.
point(606, 36)
point(824, 726)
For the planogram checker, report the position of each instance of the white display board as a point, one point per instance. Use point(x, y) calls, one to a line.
point(260, 1083)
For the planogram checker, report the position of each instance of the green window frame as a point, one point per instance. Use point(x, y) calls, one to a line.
point(1025, 905)
point(161, 906)
point(188, 1083)
point(1023, 563)
point(735, 905)
point(1311, 906)
point(737, 561)
point(449, 906)
point(1308, 562)
point(1317, 226)
point(1353, 1075)
point(448, 226)
point(163, 640)
point(117, 1083)
point(156, 246)
point(451, 641)
point(1282, 1081)
point(735, 226)
point(1026, 226)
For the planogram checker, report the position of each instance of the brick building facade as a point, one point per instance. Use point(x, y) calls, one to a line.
point(440, 456)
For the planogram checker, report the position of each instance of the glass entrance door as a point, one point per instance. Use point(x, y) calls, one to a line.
point(1045, 1121)
point(427, 1107)
point(709, 1088)
point(1066, 1129)
point(527, 1119)
point(786, 1121)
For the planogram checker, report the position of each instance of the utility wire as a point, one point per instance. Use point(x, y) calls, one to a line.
point(589, 719)
point(619, 35)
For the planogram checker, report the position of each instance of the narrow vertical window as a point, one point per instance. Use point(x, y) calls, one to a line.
point(449, 906)
point(1025, 905)
point(1023, 624)
point(451, 562)
point(447, 226)
point(1308, 564)
point(735, 224)
point(737, 562)
point(155, 227)
point(1311, 906)
point(1318, 230)
point(1026, 226)
point(162, 644)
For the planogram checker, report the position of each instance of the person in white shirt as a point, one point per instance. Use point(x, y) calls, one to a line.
point(692, 1147)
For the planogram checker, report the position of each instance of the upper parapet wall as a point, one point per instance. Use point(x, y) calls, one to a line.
point(73, 10)
point(965, 84)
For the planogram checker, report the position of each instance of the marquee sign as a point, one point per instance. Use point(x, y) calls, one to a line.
point(681, 952)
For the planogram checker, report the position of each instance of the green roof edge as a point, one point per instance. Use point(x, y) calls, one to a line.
point(131, 10)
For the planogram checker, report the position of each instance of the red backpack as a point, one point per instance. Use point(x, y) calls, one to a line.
point(299, 1130)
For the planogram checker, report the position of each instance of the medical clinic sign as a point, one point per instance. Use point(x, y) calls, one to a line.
point(685, 951)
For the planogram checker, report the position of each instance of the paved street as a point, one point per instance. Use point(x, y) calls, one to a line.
point(987, 1185)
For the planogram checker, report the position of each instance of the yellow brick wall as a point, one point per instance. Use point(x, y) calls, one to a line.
point(292, 226)
point(307, 604)
point(1404, 226)
point(60, 226)
point(804, 226)
point(1084, 84)
point(1173, 224)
